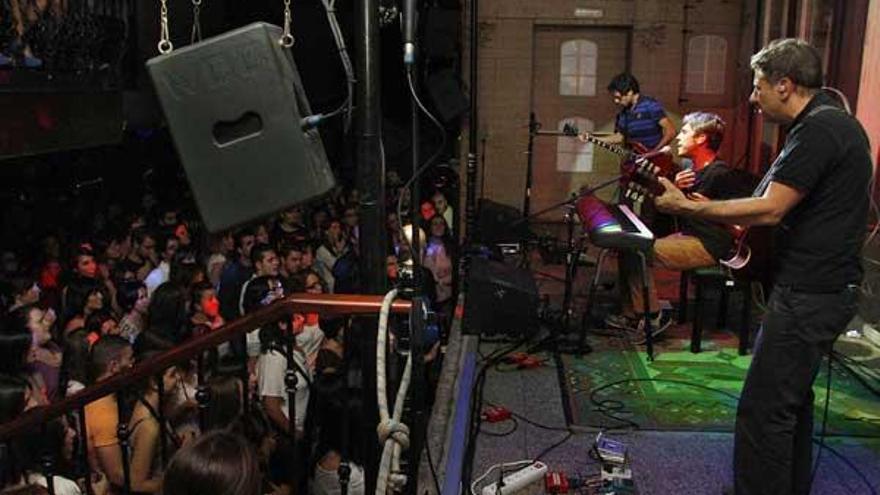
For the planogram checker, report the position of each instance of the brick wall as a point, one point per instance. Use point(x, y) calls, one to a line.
point(507, 34)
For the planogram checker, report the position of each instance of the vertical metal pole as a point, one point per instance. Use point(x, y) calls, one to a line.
point(48, 463)
point(527, 199)
point(471, 180)
point(369, 157)
point(122, 433)
point(203, 394)
point(290, 382)
point(473, 126)
point(84, 450)
point(163, 438)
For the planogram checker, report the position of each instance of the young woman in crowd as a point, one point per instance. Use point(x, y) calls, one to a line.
point(145, 431)
point(134, 303)
point(217, 463)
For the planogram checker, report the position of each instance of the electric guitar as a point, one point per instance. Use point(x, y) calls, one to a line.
point(640, 181)
point(639, 167)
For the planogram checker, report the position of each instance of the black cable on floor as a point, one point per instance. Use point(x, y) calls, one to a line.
point(433, 470)
point(554, 446)
point(820, 441)
point(503, 433)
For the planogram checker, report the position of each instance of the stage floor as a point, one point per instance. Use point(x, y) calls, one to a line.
point(671, 453)
point(663, 461)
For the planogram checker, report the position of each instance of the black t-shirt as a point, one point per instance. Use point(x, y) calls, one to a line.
point(716, 181)
point(826, 157)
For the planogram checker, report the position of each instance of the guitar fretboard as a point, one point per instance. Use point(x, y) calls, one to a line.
point(571, 130)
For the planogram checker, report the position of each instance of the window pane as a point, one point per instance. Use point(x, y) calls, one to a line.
point(571, 154)
point(568, 85)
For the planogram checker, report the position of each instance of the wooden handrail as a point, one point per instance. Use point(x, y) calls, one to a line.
point(327, 304)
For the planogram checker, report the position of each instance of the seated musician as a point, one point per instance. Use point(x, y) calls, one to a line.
point(698, 243)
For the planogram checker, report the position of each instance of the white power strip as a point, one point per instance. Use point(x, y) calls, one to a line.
point(517, 481)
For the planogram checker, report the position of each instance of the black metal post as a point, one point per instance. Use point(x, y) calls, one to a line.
point(203, 393)
point(473, 126)
point(290, 382)
point(369, 159)
point(83, 447)
point(48, 463)
point(527, 196)
point(122, 434)
point(160, 417)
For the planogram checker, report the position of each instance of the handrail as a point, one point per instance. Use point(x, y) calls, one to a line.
point(295, 303)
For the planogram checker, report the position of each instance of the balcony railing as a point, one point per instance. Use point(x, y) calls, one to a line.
point(326, 304)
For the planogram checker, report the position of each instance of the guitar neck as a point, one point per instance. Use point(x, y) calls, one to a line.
point(619, 150)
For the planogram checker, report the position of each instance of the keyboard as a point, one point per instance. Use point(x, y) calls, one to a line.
point(613, 226)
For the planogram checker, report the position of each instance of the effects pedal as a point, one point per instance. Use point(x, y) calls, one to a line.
point(610, 451)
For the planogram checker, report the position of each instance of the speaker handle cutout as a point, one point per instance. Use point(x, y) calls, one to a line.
point(247, 126)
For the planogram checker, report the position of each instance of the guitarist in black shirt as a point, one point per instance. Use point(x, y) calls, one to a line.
point(816, 194)
point(699, 243)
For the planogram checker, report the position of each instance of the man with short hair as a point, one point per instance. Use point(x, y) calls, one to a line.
point(699, 242)
point(817, 194)
point(142, 258)
point(641, 119)
point(159, 275)
point(291, 260)
point(235, 274)
point(109, 355)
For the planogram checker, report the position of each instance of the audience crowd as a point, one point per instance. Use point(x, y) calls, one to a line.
point(78, 310)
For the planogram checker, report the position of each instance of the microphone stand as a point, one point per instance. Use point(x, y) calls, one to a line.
point(577, 345)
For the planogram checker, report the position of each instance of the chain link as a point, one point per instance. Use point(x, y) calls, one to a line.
point(286, 38)
point(165, 46)
point(196, 35)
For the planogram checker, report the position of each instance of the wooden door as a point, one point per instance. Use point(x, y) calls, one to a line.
point(571, 69)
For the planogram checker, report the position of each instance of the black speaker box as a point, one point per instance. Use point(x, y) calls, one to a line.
point(501, 299)
point(235, 106)
point(497, 223)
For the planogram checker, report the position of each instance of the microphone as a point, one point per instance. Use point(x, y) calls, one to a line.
point(409, 32)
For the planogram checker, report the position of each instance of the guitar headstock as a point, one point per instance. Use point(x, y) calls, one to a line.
point(640, 176)
point(569, 129)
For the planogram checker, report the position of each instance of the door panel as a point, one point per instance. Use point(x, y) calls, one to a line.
point(552, 180)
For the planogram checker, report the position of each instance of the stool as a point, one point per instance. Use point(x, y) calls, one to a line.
point(701, 277)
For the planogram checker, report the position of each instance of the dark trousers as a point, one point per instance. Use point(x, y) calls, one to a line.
point(774, 422)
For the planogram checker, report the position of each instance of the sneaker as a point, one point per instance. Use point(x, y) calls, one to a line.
point(620, 322)
point(659, 324)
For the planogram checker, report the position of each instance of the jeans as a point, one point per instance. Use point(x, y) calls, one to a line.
point(774, 421)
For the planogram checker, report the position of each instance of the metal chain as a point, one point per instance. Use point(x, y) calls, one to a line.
point(165, 46)
point(286, 38)
point(196, 35)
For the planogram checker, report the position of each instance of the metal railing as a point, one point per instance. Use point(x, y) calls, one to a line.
point(327, 304)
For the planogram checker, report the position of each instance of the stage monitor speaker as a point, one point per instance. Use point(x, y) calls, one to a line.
point(501, 299)
point(235, 107)
point(497, 223)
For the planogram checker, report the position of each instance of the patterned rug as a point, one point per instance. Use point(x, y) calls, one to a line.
point(616, 385)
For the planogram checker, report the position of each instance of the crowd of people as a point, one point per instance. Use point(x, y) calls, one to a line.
point(78, 311)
